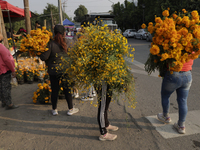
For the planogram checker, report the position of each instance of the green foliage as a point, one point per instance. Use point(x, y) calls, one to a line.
point(80, 12)
point(127, 15)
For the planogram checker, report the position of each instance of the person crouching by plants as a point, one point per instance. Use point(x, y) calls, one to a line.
point(7, 67)
point(51, 58)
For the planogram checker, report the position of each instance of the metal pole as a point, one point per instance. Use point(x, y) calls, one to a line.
point(12, 35)
point(60, 12)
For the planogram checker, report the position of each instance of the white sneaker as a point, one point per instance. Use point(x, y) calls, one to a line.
point(76, 95)
point(54, 112)
point(179, 129)
point(94, 94)
point(87, 98)
point(163, 119)
point(72, 111)
point(107, 137)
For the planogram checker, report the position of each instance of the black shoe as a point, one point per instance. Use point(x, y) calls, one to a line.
point(12, 107)
point(3, 105)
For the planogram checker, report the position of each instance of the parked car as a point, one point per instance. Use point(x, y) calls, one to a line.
point(129, 33)
point(119, 30)
point(141, 34)
point(149, 37)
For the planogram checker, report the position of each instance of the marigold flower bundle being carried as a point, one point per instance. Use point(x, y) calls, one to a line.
point(99, 55)
point(175, 41)
point(43, 94)
point(36, 42)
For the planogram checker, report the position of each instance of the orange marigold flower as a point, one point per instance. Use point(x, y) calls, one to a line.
point(143, 26)
point(154, 50)
point(165, 13)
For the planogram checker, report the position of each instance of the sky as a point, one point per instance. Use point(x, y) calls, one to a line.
point(71, 5)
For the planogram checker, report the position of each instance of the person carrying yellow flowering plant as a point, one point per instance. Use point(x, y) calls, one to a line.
point(175, 45)
point(97, 58)
point(55, 47)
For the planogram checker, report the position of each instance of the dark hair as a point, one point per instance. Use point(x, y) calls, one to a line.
point(60, 40)
point(37, 22)
point(59, 29)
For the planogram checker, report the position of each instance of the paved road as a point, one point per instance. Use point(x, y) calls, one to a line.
point(32, 127)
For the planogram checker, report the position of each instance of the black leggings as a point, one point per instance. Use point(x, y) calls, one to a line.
point(102, 116)
point(55, 89)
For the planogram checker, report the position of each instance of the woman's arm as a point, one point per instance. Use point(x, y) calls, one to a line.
point(45, 55)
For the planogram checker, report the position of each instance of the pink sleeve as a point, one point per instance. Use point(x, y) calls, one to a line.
point(7, 58)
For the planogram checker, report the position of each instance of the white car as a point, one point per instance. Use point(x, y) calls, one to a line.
point(141, 34)
point(129, 33)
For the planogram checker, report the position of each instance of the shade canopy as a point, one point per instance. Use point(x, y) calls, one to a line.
point(67, 22)
point(15, 12)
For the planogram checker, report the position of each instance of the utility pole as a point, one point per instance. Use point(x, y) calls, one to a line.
point(60, 11)
point(27, 16)
point(2, 30)
point(64, 7)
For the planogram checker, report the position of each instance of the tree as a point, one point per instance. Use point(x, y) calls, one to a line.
point(47, 14)
point(124, 15)
point(80, 12)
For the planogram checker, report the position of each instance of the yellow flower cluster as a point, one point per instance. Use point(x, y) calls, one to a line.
point(36, 42)
point(43, 94)
point(175, 39)
point(99, 55)
point(19, 74)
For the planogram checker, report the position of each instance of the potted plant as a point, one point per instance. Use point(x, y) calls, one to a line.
point(30, 75)
point(36, 75)
point(20, 75)
point(43, 94)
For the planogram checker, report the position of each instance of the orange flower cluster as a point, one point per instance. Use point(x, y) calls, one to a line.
point(175, 38)
point(36, 42)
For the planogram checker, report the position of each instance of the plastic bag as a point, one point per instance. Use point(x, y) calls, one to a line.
point(14, 81)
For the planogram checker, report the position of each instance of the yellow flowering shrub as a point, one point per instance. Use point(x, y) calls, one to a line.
point(43, 94)
point(36, 42)
point(175, 41)
point(99, 55)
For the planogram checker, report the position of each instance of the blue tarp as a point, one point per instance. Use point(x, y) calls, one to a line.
point(67, 22)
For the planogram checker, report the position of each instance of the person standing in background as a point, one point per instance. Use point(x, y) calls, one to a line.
point(52, 59)
point(7, 67)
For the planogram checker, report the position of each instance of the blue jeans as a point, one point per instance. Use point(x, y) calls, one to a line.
point(181, 82)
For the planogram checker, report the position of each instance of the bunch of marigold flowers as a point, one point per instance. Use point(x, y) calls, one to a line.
point(36, 42)
point(43, 93)
point(175, 41)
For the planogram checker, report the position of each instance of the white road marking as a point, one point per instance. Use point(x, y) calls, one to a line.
point(168, 131)
point(140, 65)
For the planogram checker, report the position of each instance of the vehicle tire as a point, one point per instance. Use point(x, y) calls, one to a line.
point(134, 37)
point(147, 39)
point(141, 37)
